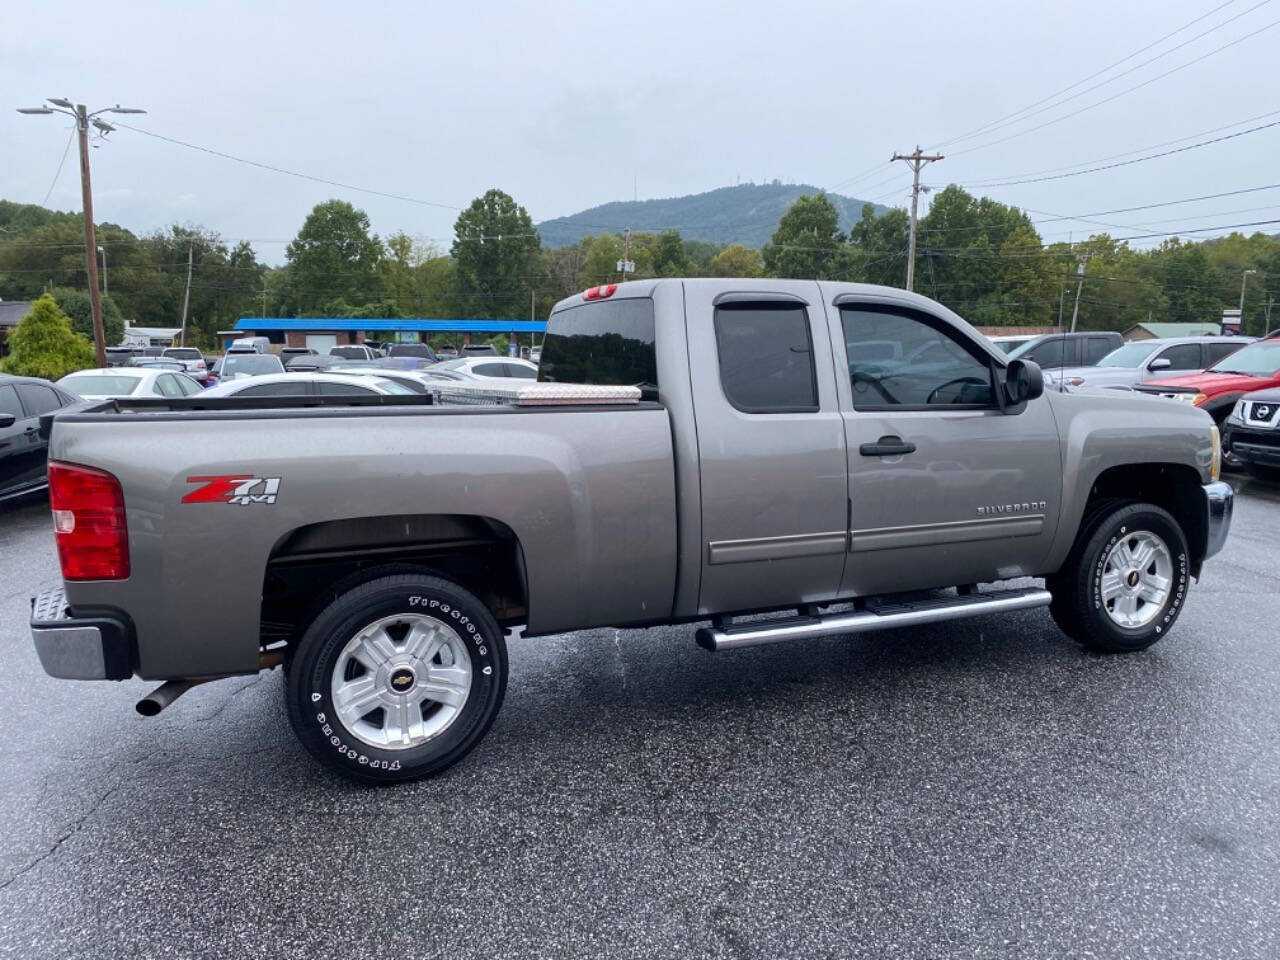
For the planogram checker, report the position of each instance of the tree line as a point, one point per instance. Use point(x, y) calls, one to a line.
point(984, 259)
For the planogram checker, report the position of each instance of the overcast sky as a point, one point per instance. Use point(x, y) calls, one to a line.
point(569, 105)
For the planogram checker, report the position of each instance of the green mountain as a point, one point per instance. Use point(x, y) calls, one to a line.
point(746, 214)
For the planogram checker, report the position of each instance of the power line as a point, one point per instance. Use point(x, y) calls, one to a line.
point(289, 173)
point(1098, 73)
point(1116, 96)
point(1126, 163)
point(1008, 121)
point(65, 150)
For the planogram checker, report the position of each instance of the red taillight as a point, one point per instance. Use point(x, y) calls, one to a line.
point(599, 293)
point(88, 522)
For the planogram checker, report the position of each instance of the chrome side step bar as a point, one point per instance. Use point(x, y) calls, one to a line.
point(878, 617)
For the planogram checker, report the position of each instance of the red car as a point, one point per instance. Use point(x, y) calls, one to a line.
point(1216, 390)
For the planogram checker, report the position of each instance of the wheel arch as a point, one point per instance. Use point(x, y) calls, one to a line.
point(1173, 487)
point(309, 565)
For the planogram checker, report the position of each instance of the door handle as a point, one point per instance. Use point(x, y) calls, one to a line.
point(31, 431)
point(887, 447)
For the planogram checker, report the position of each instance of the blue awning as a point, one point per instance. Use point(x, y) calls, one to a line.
point(390, 325)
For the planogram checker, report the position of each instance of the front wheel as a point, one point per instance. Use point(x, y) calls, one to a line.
point(398, 678)
point(1124, 584)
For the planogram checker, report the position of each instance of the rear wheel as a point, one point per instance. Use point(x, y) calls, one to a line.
point(1125, 581)
point(398, 678)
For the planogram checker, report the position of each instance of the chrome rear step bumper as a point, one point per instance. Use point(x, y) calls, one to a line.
point(883, 617)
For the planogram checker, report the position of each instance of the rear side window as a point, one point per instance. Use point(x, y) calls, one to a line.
point(38, 399)
point(521, 373)
point(167, 385)
point(275, 390)
point(9, 403)
point(1096, 348)
point(490, 369)
point(766, 357)
point(1183, 356)
point(606, 342)
point(1049, 353)
point(1213, 352)
point(342, 389)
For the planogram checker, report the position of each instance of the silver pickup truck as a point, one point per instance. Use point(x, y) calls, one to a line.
point(800, 459)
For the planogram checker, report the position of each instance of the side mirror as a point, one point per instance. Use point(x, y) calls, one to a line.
point(1160, 363)
point(7, 420)
point(1023, 381)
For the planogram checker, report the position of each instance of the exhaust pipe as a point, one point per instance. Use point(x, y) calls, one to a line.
point(165, 694)
point(171, 690)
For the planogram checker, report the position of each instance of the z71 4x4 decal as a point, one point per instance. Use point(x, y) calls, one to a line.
point(238, 488)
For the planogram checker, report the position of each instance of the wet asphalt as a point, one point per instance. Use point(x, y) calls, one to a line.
point(982, 789)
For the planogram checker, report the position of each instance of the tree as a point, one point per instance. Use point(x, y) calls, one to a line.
point(75, 304)
point(877, 251)
point(737, 261)
point(43, 344)
point(496, 256)
point(670, 259)
point(807, 241)
point(334, 258)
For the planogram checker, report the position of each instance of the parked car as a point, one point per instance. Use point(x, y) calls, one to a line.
point(1008, 344)
point(158, 363)
point(287, 352)
point(482, 368)
point(480, 350)
point(23, 449)
point(304, 362)
point(1141, 360)
point(250, 344)
point(535, 354)
point(1216, 390)
point(353, 351)
point(105, 383)
point(236, 365)
point(1252, 433)
point(412, 381)
point(192, 359)
point(119, 356)
point(1051, 351)
point(420, 350)
point(447, 352)
point(306, 385)
point(384, 551)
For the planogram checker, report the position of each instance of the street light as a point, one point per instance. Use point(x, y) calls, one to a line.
point(1244, 278)
point(83, 118)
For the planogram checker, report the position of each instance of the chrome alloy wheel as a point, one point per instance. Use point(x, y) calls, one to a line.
point(401, 680)
point(1136, 576)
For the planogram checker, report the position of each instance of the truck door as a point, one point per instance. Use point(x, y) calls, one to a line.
point(770, 446)
point(945, 489)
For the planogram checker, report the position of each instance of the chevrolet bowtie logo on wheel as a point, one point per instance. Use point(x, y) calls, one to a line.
point(241, 489)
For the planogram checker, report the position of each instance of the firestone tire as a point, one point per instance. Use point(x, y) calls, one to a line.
point(398, 678)
point(1126, 581)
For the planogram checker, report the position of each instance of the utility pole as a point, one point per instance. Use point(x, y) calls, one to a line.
point(1075, 312)
point(1266, 324)
point(264, 297)
point(1244, 278)
point(83, 119)
point(915, 161)
point(186, 299)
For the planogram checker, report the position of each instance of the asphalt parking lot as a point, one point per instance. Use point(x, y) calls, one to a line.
point(983, 789)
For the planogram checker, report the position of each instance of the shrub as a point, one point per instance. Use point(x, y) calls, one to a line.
point(43, 344)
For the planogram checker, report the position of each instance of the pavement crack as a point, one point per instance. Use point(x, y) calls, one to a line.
point(70, 831)
point(622, 664)
point(234, 693)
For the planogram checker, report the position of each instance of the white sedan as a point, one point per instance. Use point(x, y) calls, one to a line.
point(505, 369)
point(108, 382)
point(307, 385)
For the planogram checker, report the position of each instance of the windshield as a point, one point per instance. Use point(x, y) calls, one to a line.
point(1255, 360)
point(253, 364)
point(1008, 346)
point(183, 353)
point(100, 384)
point(1129, 356)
